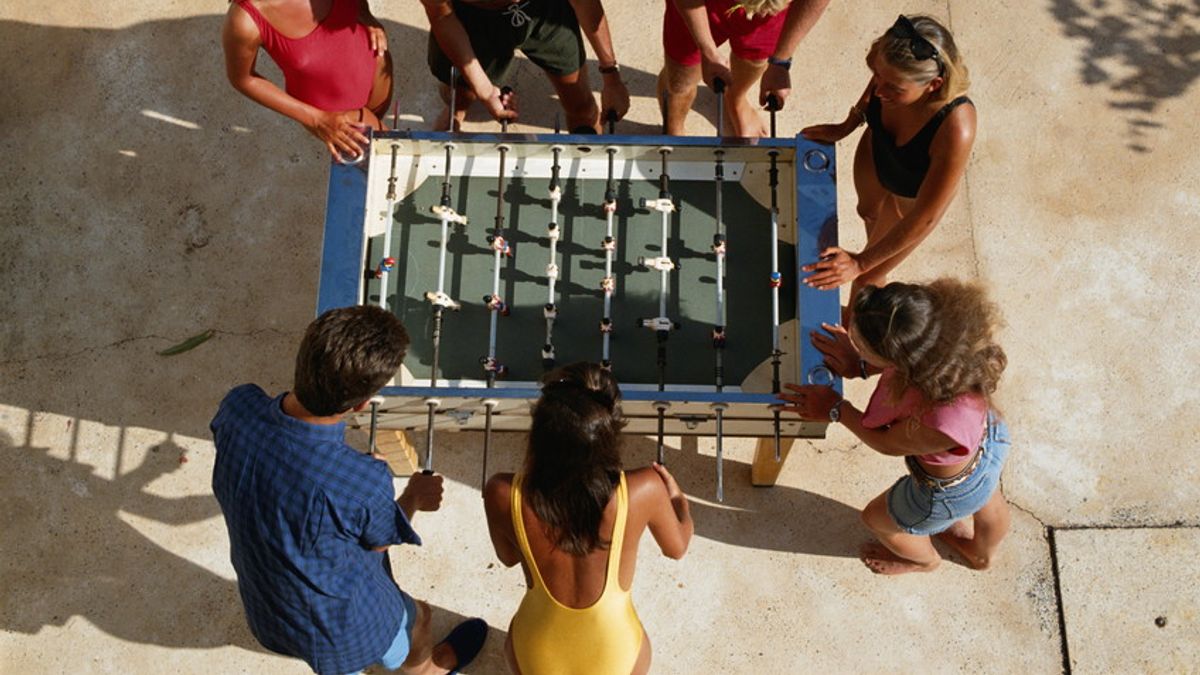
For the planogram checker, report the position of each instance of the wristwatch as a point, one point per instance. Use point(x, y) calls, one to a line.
point(835, 413)
point(608, 70)
point(786, 64)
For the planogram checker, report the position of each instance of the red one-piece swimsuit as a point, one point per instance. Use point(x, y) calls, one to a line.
point(331, 68)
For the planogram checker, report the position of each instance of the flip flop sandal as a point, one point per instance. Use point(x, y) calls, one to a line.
point(466, 641)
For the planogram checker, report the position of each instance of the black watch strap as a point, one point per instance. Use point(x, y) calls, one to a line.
point(786, 64)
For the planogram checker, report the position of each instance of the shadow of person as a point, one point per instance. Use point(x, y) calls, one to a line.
point(68, 552)
point(108, 573)
point(780, 518)
point(200, 209)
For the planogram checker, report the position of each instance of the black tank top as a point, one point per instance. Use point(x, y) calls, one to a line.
point(902, 169)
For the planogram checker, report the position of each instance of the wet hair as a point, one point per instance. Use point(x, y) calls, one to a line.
point(573, 461)
point(755, 8)
point(897, 51)
point(346, 356)
point(939, 336)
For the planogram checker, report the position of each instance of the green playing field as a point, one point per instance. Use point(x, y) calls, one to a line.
point(523, 281)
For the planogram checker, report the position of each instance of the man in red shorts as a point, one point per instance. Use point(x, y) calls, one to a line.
point(762, 36)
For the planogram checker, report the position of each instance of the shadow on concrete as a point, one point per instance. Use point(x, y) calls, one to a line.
point(89, 562)
point(778, 518)
point(147, 201)
point(103, 570)
point(1143, 52)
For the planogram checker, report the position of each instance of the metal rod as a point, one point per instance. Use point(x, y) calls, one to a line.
point(773, 106)
point(776, 280)
point(720, 453)
point(386, 261)
point(662, 324)
point(432, 403)
point(440, 301)
point(608, 284)
point(374, 425)
point(719, 90)
point(500, 249)
point(550, 310)
point(662, 410)
point(719, 250)
point(489, 405)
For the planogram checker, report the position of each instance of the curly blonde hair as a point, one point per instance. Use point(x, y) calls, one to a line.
point(939, 336)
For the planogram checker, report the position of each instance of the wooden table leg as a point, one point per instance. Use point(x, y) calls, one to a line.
point(397, 449)
point(765, 470)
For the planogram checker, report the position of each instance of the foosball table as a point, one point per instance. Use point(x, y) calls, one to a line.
point(671, 260)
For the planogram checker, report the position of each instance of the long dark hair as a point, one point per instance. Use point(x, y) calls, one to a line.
point(573, 462)
point(940, 337)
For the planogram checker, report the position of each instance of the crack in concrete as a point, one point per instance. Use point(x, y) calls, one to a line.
point(1064, 647)
point(966, 179)
point(1177, 525)
point(1028, 512)
point(124, 341)
point(971, 224)
point(1051, 537)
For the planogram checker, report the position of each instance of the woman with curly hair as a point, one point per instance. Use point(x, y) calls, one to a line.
point(573, 519)
point(938, 364)
point(913, 155)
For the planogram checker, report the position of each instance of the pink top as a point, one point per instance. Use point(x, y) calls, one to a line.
point(962, 419)
point(331, 68)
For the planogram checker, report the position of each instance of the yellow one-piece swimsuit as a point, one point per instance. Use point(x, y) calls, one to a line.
point(550, 638)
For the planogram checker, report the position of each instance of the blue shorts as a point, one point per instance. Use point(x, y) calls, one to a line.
point(920, 509)
point(394, 657)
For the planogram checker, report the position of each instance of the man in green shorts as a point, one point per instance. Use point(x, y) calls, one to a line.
point(481, 37)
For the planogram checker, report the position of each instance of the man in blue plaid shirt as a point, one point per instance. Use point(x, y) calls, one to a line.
point(310, 518)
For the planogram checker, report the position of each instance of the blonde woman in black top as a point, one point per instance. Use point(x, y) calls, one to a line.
point(913, 155)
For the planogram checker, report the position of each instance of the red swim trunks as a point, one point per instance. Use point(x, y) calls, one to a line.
point(331, 68)
point(751, 39)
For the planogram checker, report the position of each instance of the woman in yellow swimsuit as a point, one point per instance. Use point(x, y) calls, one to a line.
point(573, 519)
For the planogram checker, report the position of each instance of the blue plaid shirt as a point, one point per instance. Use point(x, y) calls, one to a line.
point(303, 510)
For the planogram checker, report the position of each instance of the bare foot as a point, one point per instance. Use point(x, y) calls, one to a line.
point(965, 546)
point(880, 560)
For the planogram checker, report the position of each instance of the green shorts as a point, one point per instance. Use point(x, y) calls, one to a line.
point(546, 31)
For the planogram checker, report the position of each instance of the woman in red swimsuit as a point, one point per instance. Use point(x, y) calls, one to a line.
point(333, 54)
point(913, 155)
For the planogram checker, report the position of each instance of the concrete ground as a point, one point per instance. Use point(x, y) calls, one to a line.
point(143, 201)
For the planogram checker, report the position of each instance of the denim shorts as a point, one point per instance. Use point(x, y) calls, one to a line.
point(920, 509)
point(395, 655)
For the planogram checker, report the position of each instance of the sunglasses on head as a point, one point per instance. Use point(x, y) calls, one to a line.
point(920, 48)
